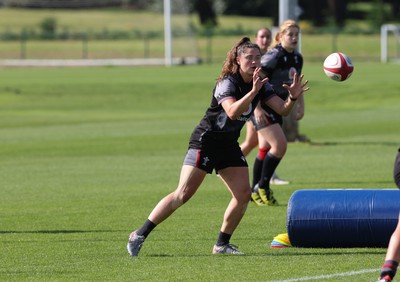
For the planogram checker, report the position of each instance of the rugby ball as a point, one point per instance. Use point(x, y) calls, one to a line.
point(338, 66)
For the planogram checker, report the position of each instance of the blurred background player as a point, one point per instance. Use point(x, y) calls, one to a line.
point(389, 267)
point(280, 64)
point(263, 40)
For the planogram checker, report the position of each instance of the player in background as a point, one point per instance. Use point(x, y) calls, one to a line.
point(214, 143)
point(263, 40)
point(280, 64)
point(389, 267)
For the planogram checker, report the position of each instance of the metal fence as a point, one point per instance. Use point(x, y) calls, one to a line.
point(66, 4)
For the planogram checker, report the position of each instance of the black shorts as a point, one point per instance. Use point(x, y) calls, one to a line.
point(209, 158)
point(272, 118)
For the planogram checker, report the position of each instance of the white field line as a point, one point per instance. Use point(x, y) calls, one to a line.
point(328, 276)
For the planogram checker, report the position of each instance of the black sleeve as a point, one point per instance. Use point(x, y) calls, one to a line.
point(396, 170)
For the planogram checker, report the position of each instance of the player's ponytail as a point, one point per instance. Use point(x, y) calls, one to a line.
point(230, 65)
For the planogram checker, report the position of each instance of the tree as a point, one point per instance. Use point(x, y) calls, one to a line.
point(206, 12)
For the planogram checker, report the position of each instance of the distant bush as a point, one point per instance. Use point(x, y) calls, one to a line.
point(63, 4)
point(48, 28)
point(48, 31)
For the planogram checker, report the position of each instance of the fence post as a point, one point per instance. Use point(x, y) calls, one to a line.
point(146, 41)
point(22, 41)
point(209, 35)
point(84, 46)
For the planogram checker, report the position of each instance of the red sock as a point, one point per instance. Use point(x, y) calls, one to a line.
point(262, 152)
point(389, 268)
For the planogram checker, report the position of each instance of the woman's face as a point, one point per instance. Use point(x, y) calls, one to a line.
point(264, 39)
point(290, 39)
point(248, 61)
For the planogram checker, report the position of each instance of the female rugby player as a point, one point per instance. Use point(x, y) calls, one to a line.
point(214, 143)
point(281, 65)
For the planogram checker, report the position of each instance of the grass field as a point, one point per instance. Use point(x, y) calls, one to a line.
point(87, 152)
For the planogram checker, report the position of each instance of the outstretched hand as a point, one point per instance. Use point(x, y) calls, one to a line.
point(258, 82)
point(297, 87)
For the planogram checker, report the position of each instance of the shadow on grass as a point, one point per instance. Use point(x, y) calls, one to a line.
point(323, 184)
point(327, 252)
point(361, 143)
point(290, 251)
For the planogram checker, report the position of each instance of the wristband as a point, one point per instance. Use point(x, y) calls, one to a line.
point(292, 99)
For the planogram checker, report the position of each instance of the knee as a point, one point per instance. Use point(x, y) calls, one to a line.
point(278, 154)
point(182, 195)
point(176, 201)
point(182, 199)
point(282, 147)
point(280, 150)
point(244, 196)
point(179, 198)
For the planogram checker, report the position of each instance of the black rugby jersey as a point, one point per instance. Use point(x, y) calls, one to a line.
point(216, 126)
point(280, 66)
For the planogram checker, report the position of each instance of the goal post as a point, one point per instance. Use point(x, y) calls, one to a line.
point(390, 42)
point(180, 45)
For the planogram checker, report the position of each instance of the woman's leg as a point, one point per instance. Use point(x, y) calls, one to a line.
point(251, 140)
point(236, 180)
point(275, 138)
point(263, 148)
point(190, 180)
point(389, 267)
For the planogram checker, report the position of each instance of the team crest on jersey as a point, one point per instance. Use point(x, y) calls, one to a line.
point(292, 71)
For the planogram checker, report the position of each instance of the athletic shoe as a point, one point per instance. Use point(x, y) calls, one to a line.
point(301, 138)
point(267, 196)
point(385, 279)
point(255, 197)
point(135, 242)
point(278, 181)
point(226, 249)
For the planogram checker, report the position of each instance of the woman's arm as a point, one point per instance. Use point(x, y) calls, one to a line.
point(296, 90)
point(235, 108)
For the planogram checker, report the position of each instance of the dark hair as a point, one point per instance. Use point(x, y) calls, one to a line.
point(230, 66)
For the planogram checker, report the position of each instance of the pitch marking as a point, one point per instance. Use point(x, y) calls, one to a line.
point(351, 273)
